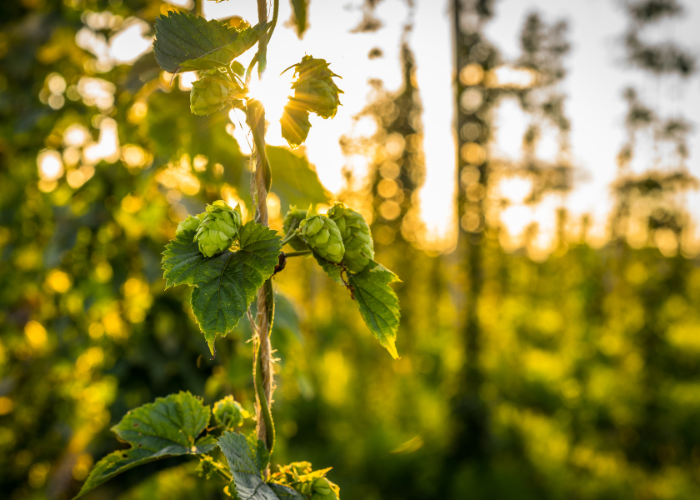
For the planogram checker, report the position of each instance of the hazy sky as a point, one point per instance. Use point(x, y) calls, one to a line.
point(597, 76)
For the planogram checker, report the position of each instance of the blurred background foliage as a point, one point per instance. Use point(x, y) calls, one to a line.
point(575, 376)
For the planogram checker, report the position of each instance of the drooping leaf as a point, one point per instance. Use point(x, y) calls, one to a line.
point(378, 303)
point(226, 284)
point(181, 260)
point(165, 428)
point(186, 42)
point(243, 463)
point(299, 16)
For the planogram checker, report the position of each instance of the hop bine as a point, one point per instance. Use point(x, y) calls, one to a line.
point(218, 230)
point(357, 238)
point(213, 92)
point(323, 236)
point(291, 223)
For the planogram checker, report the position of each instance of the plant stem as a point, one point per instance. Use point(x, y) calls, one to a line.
point(262, 370)
point(297, 254)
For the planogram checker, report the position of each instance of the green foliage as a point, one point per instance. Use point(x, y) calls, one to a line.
point(309, 483)
point(185, 42)
point(168, 427)
point(225, 285)
point(245, 465)
point(378, 303)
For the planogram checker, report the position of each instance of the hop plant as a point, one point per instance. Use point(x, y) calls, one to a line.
point(314, 92)
point(212, 92)
point(323, 236)
point(229, 414)
point(357, 239)
point(191, 223)
point(218, 230)
point(291, 223)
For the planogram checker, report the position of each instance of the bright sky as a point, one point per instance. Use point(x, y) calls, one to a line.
point(594, 85)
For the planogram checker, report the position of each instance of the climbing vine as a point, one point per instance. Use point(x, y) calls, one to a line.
point(230, 263)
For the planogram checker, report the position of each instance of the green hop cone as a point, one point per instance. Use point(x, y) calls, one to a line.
point(357, 239)
point(323, 236)
point(295, 123)
point(189, 224)
point(211, 93)
point(218, 230)
point(228, 413)
point(291, 223)
point(323, 489)
point(315, 87)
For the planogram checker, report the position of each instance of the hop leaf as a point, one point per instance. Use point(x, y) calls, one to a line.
point(212, 93)
point(187, 42)
point(295, 123)
point(218, 230)
point(168, 427)
point(323, 236)
point(229, 414)
point(291, 222)
point(357, 239)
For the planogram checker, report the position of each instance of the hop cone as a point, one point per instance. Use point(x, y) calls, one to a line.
point(315, 92)
point(218, 229)
point(228, 413)
point(323, 236)
point(320, 489)
point(189, 224)
point(315, 87)
point(291, 223)
point(357, 239)
point(295, 123)
point(211, 93)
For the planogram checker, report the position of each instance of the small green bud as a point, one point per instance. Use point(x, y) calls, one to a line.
point(357, 238)
point(323, 236)
point(295, 123)
point(321, 489)
point(219, 229)
point(211, 93)
point(189, 224)
point(228, 413)
point(291, 222)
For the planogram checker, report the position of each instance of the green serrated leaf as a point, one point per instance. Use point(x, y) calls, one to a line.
point(262, 456)
point(283, 492)
point(165, 428)
point(226, 284)
point(185, 42)
point(378, 303)
point(332, 270)
point(181, 260)
point(243, 463)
